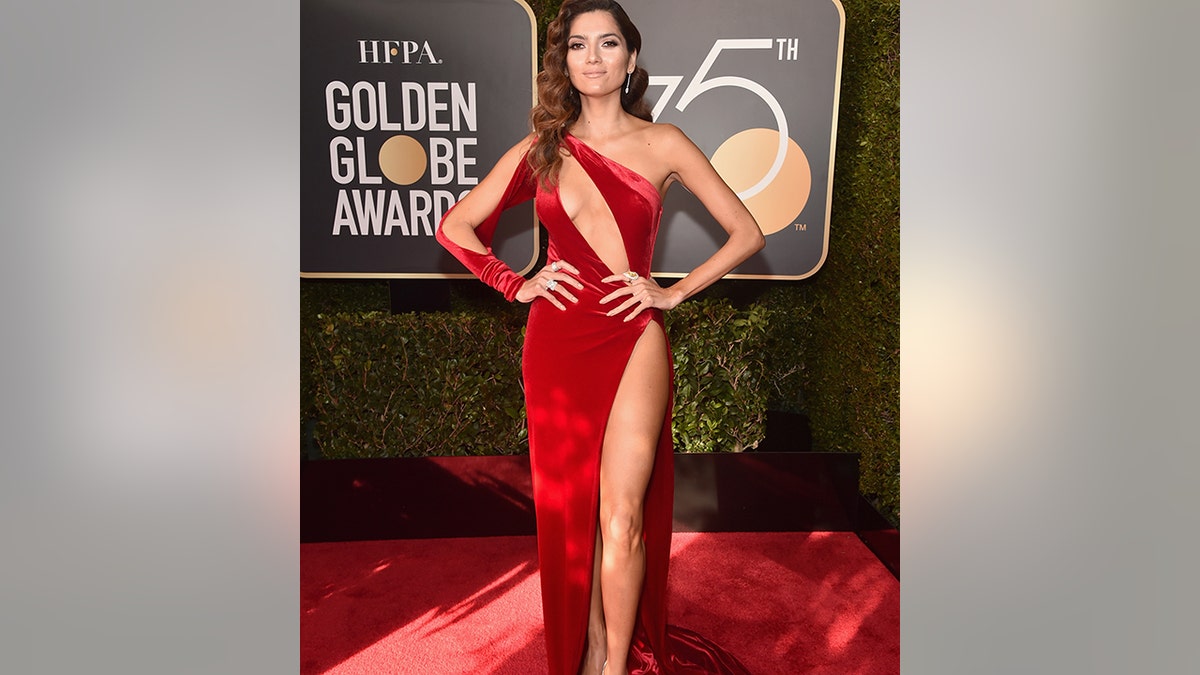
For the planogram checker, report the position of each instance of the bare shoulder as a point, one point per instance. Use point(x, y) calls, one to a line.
point(669, 137)
point(657, 137)
point(673, 148)
point(665, 132)
point(673, 145)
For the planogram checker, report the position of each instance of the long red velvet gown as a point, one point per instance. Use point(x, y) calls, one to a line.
point(573, 362)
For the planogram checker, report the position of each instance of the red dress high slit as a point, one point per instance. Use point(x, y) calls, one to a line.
point(572, 364)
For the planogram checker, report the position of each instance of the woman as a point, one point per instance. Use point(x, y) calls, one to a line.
point(596, 364)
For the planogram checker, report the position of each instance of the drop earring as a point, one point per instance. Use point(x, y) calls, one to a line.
point(627, 76)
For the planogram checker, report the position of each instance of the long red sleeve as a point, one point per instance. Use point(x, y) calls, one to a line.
point(491, 270)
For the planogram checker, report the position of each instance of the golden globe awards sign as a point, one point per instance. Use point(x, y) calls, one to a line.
point(755, 84)
point(405, 105)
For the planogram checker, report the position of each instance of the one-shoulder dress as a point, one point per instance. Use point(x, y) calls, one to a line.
point(572, 364)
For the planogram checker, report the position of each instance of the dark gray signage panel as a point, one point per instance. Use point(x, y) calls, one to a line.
point(405, 105)
point(755, 84)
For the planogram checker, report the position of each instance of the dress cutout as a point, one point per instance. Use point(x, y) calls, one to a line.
point(572, 364)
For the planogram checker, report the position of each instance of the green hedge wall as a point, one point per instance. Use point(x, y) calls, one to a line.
point(830, 343)
point(449, 383)
point(720, 376)
point(413, 385)
point(851, 324)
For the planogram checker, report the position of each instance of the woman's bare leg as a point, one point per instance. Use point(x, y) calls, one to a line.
point(630, 444)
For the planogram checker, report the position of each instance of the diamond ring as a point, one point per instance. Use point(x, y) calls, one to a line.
point(552, 284)
point(630, 276)
point(554, 266)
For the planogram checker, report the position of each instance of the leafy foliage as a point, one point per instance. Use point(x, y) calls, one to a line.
point(835, 337)
point(412, 385)
point(720, 397)
point(443, 383)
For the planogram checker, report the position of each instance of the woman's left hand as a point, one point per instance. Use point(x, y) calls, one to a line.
point(642, 293)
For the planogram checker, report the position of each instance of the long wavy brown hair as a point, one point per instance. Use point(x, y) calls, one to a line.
point(558, 102)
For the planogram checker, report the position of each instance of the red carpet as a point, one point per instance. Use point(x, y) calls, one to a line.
point(795, 602)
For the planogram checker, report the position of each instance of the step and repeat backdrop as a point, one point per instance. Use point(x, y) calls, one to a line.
point(406, 104)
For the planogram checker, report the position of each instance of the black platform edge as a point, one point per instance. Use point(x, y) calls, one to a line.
point(788, 432)
point(444, 497)
point(415, 498)
point(766, 492)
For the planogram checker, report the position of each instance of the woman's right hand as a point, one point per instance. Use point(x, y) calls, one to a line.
point(550, 282)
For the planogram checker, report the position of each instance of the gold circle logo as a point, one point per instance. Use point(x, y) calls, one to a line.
point(402, 160)
point(744, 158)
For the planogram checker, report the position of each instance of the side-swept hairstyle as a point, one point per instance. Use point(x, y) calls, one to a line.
point(558, 102)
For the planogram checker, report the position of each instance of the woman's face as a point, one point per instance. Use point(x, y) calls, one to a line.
point(597, 57)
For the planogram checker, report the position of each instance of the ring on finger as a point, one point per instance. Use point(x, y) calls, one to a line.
point(630, 276)
point(554, 266)
point(552, 284)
